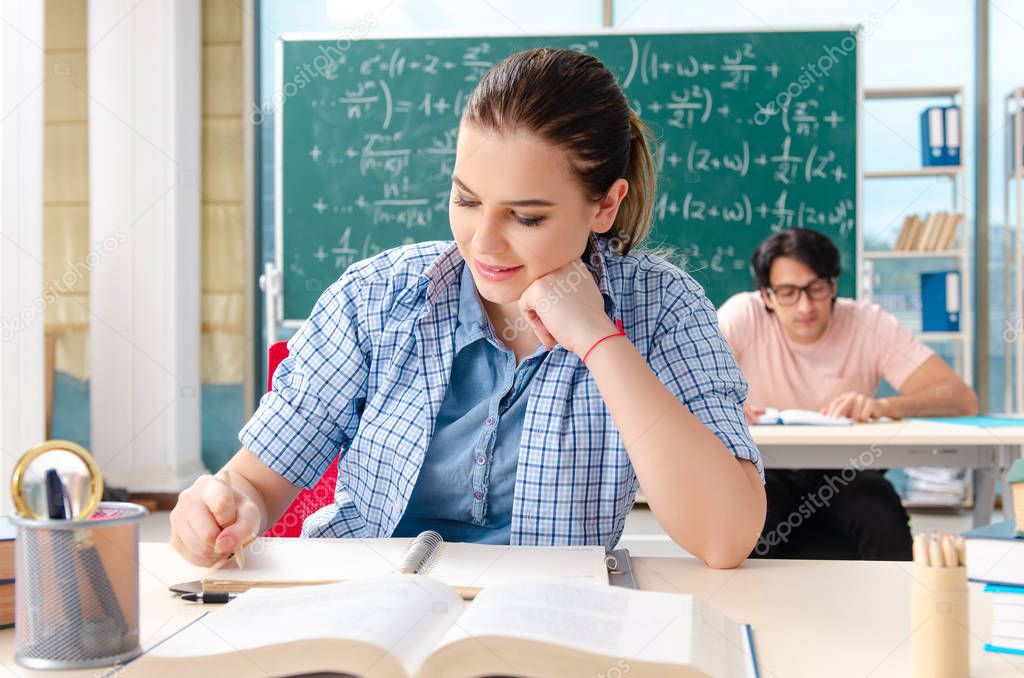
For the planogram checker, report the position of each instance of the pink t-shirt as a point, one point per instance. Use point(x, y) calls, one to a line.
point(861, 345)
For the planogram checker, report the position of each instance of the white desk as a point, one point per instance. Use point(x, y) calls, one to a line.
point(899, 444)
point(841, 619)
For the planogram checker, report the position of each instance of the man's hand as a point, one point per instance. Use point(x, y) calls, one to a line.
point(855, 406)
point(752, 413)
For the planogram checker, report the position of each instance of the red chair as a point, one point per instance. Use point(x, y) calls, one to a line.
point(308, 501)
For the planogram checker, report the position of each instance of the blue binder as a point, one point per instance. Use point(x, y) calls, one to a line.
point(940, 136)
point(940, 301)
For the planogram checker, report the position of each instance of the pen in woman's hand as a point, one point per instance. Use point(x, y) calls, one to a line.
point(224, 475)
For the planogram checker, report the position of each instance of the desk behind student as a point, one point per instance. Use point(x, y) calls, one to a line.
point(900, 444)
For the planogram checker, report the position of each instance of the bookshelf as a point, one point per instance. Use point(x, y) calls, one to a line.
point(913, 254)
point(911, 173)
point(875, 265)
point(958, 258)
point(1013, 278)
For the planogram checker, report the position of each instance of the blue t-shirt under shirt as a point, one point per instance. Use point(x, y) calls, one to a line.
point(465, 486)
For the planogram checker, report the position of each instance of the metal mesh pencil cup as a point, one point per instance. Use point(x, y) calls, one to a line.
point(77, 589)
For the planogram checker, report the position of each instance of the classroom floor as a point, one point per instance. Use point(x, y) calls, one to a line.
point(644, 537)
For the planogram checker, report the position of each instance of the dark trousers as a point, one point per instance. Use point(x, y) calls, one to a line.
point(833, 514)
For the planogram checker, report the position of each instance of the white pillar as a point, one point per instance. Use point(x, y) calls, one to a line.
point(22, 303)
point(144, 157)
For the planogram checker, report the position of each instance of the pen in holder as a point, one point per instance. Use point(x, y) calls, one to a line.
point(939, 608)
point(76, 563)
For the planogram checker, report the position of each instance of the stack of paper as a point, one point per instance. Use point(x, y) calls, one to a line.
point(935, 487)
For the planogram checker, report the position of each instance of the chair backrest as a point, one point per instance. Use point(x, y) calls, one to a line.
point(308, 501)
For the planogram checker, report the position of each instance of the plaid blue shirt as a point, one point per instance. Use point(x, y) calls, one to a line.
point(367, 373)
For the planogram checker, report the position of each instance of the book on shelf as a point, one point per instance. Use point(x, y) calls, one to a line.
point(940, 136)
point(411, 625)
point(935, 233)
point(909, 234)
point(467, 567)
point(950, 228)
point(940, 301)
point(932, 227)
point(904, 235)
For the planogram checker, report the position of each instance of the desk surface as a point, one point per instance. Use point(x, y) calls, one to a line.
point(903, 432)
point(810, 618)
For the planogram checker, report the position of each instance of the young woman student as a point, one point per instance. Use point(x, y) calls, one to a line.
point(519, 384)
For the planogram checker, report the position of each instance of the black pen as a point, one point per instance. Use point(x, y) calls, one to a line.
point(213, 597)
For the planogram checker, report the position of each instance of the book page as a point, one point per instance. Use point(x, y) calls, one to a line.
point(277, 560)
point(404, 615)
point(794, 417)
point(478, 565)
point(632, 625)
point(272, 561)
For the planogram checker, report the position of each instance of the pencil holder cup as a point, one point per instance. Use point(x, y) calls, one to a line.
point(77, 589)
point(939, 622)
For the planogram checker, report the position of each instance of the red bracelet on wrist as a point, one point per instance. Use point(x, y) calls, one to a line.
point(620, 333)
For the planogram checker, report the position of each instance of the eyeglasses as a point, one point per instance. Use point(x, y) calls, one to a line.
point(816, 290)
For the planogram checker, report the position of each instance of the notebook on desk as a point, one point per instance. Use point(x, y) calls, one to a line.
point(466, 567)
point(774, 417)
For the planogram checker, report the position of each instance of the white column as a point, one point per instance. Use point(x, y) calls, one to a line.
point(22, 302)
point(144, 163)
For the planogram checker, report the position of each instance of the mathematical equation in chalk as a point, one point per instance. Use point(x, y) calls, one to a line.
point(389, 88)
point(369, 145)
point(693, 259)
point(386, 157)
point(346, 250)
point(786, 167)
point(778, 214)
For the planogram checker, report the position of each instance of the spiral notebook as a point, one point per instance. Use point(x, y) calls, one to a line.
point(466, 567)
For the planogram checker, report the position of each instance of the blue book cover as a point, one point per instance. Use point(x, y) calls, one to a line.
point(982, 420)
point(940, 301)
point(1001, 530)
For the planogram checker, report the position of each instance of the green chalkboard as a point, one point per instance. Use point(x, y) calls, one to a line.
point(757, 133)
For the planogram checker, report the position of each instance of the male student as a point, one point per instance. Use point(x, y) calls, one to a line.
point(801, 347)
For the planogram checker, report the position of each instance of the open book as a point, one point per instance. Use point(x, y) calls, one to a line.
point(410, 625)
point(800, 418)
point(467, 567)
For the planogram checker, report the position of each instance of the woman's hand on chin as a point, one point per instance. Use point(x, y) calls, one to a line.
point(565, 307)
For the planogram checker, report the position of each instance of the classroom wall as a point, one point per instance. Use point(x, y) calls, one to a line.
point(66, 186)
point(66, 228)
point(223, 341)
point(223, 222)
